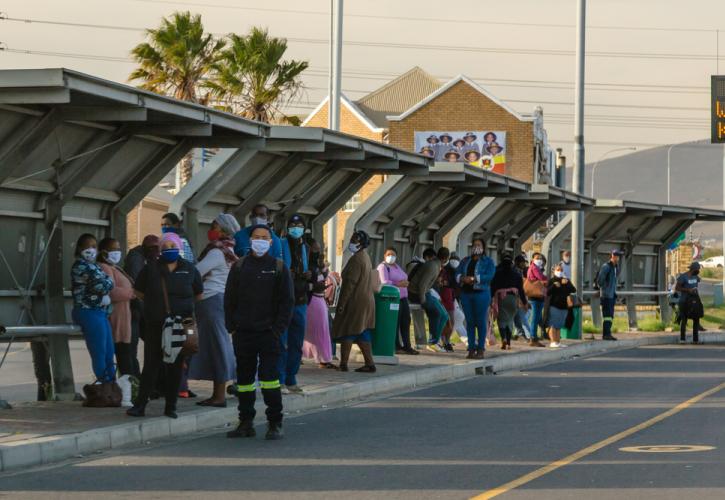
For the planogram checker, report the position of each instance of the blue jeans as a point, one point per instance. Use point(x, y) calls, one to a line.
point(607, 315)
point(475, 308)
point(521, 322)
point(537, 311)
point(437, 317)
point(291, 342)
point(99, 341)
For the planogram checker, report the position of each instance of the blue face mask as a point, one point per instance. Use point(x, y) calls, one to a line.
point(296, 232)
point(168, 229)
point(170, 254)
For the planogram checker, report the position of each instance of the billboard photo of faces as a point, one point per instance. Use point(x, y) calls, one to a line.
point(480, 149)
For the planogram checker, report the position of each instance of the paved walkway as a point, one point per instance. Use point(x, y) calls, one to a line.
point(29, 420)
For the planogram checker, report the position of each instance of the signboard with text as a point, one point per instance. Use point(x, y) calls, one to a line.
point(717, 112)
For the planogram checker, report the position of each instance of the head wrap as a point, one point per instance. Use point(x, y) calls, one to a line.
point(228, 223)
point(174, 238)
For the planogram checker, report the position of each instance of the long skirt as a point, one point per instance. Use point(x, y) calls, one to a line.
point(215, 360)
point(507, 311)
point(317, 335)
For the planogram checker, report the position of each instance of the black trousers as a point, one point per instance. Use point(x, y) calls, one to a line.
point(258, 353)
point(154, 365)
point(695, 328)
point(137, 325)
point(402, 340)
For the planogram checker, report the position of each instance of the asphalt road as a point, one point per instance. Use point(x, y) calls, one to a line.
point(454, 441)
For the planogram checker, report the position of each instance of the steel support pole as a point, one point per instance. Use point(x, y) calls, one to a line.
point(334, 114)
point(577, 228)
point(723, 224)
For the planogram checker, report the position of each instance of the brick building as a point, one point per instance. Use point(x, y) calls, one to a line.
point(463, 105)
point(367, 117)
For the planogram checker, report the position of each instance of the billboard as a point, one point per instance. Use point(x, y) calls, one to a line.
point(485, 149)
point(717, 111)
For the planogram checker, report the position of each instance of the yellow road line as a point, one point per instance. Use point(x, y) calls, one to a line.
point(595, 447)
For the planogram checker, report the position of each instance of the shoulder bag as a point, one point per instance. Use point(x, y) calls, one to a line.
point(534, 289)
point(178, 334)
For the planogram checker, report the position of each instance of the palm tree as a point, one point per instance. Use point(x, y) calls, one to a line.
point(175, 61)
point(252, 80)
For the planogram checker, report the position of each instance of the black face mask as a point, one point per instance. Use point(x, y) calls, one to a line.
point(695, 273)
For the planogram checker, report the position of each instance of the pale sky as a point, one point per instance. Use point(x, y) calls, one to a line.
point(646, 86)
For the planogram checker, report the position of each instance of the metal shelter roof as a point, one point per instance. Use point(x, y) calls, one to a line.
point(457, 201)
point(77, 153)
point(642, 230)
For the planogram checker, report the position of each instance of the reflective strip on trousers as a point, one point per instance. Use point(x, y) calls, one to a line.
point(246, 388)
point(608, 319)
point(271, 384)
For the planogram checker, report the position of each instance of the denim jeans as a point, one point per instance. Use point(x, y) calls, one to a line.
point(99, 341)
point(437, 317)
point(537, 311)
point(521, 322)
point(475, 307)
point(291, 347)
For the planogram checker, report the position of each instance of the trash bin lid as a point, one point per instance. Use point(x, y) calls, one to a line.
point(389, 292)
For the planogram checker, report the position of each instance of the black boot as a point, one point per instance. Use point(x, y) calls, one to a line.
point(170, 411)
point(137, 411)
point(274, 431)
point(245, 429)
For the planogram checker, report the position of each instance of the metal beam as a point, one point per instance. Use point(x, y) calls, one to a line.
point(267, 181)
point(173, 129)
point(104, 113)
point(452, 220)
point(333, 204)
point(237, 142)
point(34, 96)
point(289, 145)
point(12, 160)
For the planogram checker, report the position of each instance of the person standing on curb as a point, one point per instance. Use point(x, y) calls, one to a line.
point(535, 287)
point(258, 305)
point(419, 292)
point(474, 274)
point(296, 255)
point(391, 273)
point(355, 312)
point(690, 304)
point(606, 281)
point(258, 217)
point(558, 290)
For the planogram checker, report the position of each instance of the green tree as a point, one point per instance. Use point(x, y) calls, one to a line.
point(252, 80)
point(175, 61)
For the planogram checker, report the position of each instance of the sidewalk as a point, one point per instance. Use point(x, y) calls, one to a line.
point(37, 433)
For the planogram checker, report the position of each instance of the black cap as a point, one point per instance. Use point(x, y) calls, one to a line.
point(296, 219)
point(695, 266)
point(617, 252)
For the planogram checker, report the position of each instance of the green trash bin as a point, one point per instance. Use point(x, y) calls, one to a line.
point(574, 332)
point(387, 305)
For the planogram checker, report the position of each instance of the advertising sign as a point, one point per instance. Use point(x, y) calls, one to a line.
point(717, 112)
point(485, 149)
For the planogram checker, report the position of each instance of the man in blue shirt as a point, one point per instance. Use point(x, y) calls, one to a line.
point(689, 303)
point(258, 217)
point(606, 281)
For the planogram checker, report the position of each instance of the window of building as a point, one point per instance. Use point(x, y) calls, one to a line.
point(353, 202)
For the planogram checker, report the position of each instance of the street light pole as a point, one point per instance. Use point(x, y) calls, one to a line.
point(594, 168)
point(577, 227)
point(333, 109)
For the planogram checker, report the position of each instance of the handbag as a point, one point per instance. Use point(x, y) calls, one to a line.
point(178, 335)
point(534, 289)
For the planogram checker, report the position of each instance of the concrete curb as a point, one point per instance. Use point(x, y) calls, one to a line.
point(50, 449)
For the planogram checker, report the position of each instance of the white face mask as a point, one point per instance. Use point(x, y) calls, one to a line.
point(259, 221)
point(477, 251)
point(454, 263)
point(539, 262)
point(390, 259)
point(89, 254)
point(260, 247)
point(114, 257)
point(354, 247)
point(558, 274)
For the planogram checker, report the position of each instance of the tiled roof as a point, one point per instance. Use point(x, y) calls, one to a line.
point(397, 96)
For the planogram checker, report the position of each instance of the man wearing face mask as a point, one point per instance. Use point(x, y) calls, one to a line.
point(295, 254)
point(258, 217)
point(258, 306)
point(566, 264)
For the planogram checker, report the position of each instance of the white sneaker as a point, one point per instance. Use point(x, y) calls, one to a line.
point(294, 389)
point(554, 345)
point(125, 384)
point(284, 389)
point(433, 348)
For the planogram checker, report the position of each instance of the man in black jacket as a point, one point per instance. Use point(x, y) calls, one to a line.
point(258, 303)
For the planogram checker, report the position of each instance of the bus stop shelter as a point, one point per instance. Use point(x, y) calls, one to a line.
point(78, 153)
point(644, 232)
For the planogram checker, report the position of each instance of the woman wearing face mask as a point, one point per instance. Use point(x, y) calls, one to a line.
point(109, 257)
point(394, 275)
point(558, 290)
point(536, 276)
point(474, 275)
point(355, 312)
point(183, 285)
point(317, 344)
point(90, 287)
point(215, 360)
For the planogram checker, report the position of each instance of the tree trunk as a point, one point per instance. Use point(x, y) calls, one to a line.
point(186, 169)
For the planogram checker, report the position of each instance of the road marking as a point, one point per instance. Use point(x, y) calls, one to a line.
point(531, 476)
point(667, 448)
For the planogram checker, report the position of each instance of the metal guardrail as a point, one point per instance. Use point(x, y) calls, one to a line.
point(8, 333)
